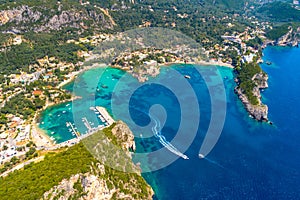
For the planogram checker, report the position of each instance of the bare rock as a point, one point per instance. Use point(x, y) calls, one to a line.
point(124, 135)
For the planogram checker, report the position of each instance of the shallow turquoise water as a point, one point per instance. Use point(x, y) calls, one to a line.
point(251, 160)
point(93, 91)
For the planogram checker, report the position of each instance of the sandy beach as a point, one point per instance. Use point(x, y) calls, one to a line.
point(73, 75)
point(216, 63)
point(39, 136)
point(205, 63)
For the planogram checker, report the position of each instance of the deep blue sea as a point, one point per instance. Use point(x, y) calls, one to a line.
point(251, 160)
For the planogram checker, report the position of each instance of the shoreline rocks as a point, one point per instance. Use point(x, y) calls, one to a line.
point(260, 111)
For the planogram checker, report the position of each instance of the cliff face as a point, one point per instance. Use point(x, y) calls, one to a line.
point(291, 38)
point(93, 186)
point(39, 18)
point(260, 111)
point(124, 135)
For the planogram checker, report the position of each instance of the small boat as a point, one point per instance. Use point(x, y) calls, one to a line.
point(92, 108)
point(104, 86)
point(52, 132)
point(201, 155)
point(64, 111)
point(187, 76)
point(268, 63)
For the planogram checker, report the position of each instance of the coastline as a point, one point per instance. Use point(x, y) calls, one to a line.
point(209, 63)
point(215, 63)
point(73, 75)
point(39, 136)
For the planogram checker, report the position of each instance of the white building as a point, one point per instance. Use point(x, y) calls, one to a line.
point(248, 58)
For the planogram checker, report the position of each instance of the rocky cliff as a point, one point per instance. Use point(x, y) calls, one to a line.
point(42, 18)
point(259, 111)
point(124, 135)
point(106, 180)
point(291, 38)
point(95, 186)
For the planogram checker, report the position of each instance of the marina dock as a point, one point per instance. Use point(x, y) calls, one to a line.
point(87, 124)
point(105, 116)
point(74, 131)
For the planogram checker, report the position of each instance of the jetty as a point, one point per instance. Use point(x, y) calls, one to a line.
point(105, 115)
point(91, 130)
point(73, 129)
point(87, 124)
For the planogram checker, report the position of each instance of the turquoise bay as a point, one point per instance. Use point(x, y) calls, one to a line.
point(251, 160)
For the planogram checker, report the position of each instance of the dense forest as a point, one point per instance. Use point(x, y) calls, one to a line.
point(279, 12)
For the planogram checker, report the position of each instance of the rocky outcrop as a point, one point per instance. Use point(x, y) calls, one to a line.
point(19, 15)
point(259, 111)
point(291, 38)
point(40, 19)
point(124, 135)
point(83, 186)
point(94, 185)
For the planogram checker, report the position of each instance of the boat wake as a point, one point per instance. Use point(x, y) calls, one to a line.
point(157, 133)
point(201, 156)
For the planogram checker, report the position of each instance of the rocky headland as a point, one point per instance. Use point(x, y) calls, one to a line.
point(260, 110)
point(291, 38)
point(112, 145)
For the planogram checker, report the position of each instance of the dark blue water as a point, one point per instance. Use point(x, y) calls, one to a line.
point(251, 160)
